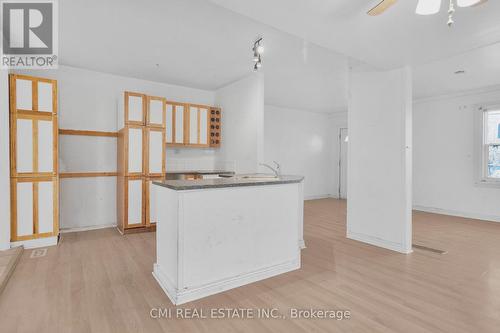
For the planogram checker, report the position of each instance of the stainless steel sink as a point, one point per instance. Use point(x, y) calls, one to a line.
point(258, 176)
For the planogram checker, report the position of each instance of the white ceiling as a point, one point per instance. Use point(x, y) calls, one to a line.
point(394, 39)
point(197, 44)
point(481, 66)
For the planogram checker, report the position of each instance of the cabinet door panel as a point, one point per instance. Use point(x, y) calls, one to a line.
point(155, 152)
point(169, 126)
point(24, 145)
point(24, 93)
point(45, 146)
point(135, 150)
point(135, 109)
point(45, 207)
point(45, 97)
point(156, 112)
point(179, 124)
point(134, 200)
point(193, 125)
point(24, 204)
point(204, 126)
point(152, 203)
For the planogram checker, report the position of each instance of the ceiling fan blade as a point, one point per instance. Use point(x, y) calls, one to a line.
point(428, 7)
point(381, 7)
point(470, 3)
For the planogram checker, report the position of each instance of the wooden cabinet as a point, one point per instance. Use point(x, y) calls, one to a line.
point(34, 160)
point(150, 204)
point(174, 127)
point(156, 116)
point(198, 125)
point(215, 127)
point(189, 125)
point(133, 109)
point(141, 157)
point(131, 153)
point(34, 208)
point(155, 163)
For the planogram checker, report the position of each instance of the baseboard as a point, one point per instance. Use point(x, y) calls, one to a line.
point(468, 215)
point(316, 197)
point(378, 242)
point(180, 297)
point(93, 227)
point(35, 243)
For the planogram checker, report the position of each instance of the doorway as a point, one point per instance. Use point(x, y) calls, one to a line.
point(342, 176)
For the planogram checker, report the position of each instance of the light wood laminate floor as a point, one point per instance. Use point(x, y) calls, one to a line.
point(99, 281)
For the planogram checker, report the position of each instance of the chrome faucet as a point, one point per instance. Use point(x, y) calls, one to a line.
point(276, 171)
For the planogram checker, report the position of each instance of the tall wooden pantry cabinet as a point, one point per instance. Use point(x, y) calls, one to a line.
point(33, 161)
point(141, 159)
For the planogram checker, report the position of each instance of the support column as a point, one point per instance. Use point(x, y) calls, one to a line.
point(379, 201)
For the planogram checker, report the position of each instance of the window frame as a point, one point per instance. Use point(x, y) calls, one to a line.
point(483, 178)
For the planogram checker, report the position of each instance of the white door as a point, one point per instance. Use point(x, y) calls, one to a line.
point(45, 102)
point(134, 198)
point(24, 209)
point(45, 207)
point(152, 203)
point(135, 108)
point(179, 124)
point(24, 146)
point(155, 152)
point(45, 146)
point(169, 126)
point(343, 140)
point(135, 150)
point(24, 95)
point(193, 125)
point(204, 126)
point(155, 112)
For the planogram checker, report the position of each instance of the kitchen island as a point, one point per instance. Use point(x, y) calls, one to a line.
point(217, 234)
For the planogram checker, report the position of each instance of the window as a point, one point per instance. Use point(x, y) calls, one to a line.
point(491, 145)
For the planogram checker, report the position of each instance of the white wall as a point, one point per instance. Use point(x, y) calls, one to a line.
point(4, 162)
point(242, 104)
point(302, 142)
point(88, 100)
point(379, 159)
point(337, 121)
point(444, 158)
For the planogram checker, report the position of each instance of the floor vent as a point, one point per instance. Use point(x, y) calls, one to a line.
point(430, 249)
point(38, 253)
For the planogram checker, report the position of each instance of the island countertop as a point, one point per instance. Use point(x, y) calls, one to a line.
point(236, 181)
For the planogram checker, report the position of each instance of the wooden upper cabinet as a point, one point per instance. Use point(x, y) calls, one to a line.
point(33, 127)
point(155, 112)
point(175, 124)
point(135, 108)
point(33, 94)
point(198, 125)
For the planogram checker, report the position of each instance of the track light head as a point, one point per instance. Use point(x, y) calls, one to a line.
point(258, 50)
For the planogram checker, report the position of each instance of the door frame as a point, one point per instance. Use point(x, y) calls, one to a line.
point(339, 162)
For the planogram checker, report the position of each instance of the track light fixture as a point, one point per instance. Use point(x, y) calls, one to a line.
point(258, 50)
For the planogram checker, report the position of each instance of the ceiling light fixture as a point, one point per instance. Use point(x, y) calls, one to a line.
point(258, 50)
point(430, 7)
point(427, 7)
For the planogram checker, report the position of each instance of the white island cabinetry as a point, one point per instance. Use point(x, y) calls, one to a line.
point(211, 239)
